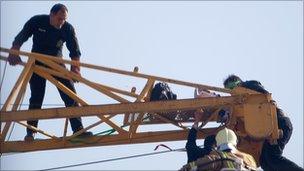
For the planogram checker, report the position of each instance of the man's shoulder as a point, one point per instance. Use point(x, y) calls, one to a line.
point(254, 85)
point(40, 17)
point(251, 82)
point(67, 26)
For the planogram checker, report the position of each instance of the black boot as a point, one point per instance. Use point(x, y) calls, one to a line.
point(29, 136)
point(84, 134)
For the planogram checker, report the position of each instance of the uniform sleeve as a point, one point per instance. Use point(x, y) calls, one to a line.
point(72, 43)
point(25, 33)
point(254, 85)
point(193, 151)
point(191, 143)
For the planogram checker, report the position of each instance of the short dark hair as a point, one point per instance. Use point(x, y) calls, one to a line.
point(58, 7)
point(232, 78)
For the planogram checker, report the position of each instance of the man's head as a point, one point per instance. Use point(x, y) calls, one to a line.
point(232, 81)
point(58, 15)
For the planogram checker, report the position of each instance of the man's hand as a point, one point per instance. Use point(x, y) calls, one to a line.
point(76, 68)
point(198, 115)
point(14, 59)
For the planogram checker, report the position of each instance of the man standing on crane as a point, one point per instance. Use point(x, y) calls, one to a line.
point(49, 34)
point(271, 158)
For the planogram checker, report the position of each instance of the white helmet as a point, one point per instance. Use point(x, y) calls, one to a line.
point(226, 137)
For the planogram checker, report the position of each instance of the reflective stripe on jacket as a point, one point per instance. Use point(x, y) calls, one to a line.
point(218, 160)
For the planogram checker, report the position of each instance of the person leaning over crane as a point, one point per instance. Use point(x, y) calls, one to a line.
point(226, 157)
point(193, 151)
point(271, 158)
point(49, 33)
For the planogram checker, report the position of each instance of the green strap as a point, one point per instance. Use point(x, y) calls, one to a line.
point(107, 132)
point(110, 131)
point(193, 165)
point(230, 164)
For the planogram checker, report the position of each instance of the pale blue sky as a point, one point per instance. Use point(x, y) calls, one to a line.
point(197, 41)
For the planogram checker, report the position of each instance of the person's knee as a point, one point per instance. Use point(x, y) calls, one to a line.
point(36, 101)
point(37, 97)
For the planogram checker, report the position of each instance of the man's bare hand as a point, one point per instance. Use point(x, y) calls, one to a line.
point(198, 115)
point(76, 69)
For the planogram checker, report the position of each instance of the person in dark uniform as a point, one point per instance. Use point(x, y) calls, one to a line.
point(195, 152)
point(271, 158)
point(49, 32)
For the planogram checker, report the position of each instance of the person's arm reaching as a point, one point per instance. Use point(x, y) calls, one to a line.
point(73, 47)
point(193, 151)
point(22, 36)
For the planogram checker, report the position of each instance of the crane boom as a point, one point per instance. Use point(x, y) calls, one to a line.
point(252, 115)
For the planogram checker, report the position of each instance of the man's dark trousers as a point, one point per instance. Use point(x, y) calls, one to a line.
point(37, 86)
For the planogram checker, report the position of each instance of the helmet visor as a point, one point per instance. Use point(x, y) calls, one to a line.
point(233, 84)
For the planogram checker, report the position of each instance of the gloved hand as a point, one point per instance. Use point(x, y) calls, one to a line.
point(14, 59)
point(223, 115)
point(76, 68)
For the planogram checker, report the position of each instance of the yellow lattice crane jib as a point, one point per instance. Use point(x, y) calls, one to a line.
point(253, 115)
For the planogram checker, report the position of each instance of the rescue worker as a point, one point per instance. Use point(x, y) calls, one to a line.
point(193, 151)
point(49, 32)
point(271, 158)
point(226, 157)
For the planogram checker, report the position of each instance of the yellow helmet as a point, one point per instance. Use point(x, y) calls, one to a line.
point(226, 136)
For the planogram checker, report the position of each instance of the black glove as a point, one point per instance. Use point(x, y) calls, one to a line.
point(14, 59)
point(223, 115)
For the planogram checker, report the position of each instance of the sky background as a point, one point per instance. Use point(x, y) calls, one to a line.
point(197, 41)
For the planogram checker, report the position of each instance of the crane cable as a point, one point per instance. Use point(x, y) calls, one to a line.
point(19, 107)
point(122, 158)
point(115, 159)
point(3, 75)
point(1, 84)
point(14, 123)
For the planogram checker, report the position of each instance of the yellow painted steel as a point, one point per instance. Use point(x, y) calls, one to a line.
point(253, 115)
